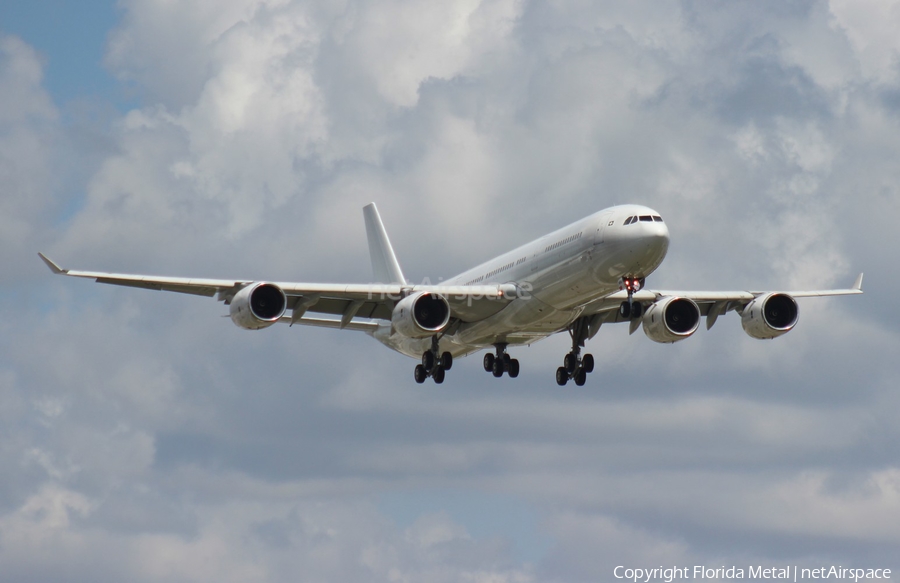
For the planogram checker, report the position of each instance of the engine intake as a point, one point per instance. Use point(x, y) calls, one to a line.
point(770, 315)
point(671, 319)
point(421, 315)
point(258, 305)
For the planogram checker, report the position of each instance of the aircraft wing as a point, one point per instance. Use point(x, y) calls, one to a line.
point(712, 304)
point(349, 301)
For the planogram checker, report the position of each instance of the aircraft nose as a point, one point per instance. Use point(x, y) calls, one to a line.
point(661, 231)
point(660, 234)
point(655, 234)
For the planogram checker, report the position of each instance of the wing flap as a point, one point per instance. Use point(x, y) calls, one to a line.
point(361, 326)
point(173, 287)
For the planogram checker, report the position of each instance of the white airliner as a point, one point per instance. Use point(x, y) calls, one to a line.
point(575, 279)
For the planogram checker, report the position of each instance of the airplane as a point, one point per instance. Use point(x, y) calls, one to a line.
point(575, 279)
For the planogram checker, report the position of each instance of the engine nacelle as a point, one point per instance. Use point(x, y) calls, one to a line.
point(671, 319)
point(258, 305)
point(770, 315)
point(421, 315)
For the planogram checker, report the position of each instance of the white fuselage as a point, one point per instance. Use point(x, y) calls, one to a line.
point(557, 276)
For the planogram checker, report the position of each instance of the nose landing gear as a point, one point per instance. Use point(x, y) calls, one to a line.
point(629, 310)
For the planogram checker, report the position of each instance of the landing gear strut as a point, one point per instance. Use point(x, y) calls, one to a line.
point(434, 363)
point(575, 366)
point(629, 309)
point(501, 363)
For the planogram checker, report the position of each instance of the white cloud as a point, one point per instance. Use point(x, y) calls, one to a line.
point(164, 48)
point(871, 27)
point(29, 132)
point(398, 45)
point(238, 540)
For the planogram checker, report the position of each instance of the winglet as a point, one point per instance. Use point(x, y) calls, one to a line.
point(385, 267)
point(53, 267)
point(858, 284)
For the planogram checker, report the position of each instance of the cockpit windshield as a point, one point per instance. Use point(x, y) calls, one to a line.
point(643, 218)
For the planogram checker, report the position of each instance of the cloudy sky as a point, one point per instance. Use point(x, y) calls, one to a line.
point(145, 438)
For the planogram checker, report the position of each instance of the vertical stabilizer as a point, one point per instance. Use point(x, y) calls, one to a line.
point(384, 263)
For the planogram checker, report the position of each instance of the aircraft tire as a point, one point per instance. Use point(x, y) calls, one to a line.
point(587, 363)
point(420, 374)
point(498, 367)
point(570, 363)
point(562, 376)
point(488, 362)
point(625, 310)
point(428, 361)
point(513, 368)
point(637, 310)
point(446, 361)
point(580, 377)
point(438, 375)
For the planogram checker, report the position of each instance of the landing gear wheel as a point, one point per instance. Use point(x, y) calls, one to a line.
point(446, 361)
point(625, 310)
point(420, 374)
point(438, 375)
point(576, 365)
point(636, 310)
point(501, 362)
point(570, 363)
point(428, 361)
point(580, 377)
point(587, 363)
point(513, 368)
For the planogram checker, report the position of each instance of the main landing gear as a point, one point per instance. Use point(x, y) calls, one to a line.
point(434, 364)
point(501, 363)
point(575, 366)
point(629, 310)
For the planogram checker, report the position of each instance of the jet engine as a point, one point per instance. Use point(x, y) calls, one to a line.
point(258, 306)
point(671, 319)
point(770, 315)
point(421, 315)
